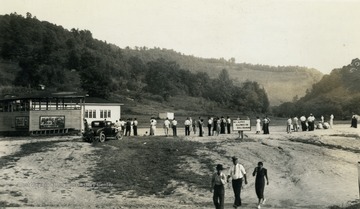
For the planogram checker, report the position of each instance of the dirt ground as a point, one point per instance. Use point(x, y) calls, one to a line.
point(306, 170)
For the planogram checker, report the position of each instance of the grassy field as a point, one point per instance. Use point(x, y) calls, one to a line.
point(146, 165)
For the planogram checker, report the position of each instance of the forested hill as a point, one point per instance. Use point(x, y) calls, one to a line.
point(337, 93)
point(34, 52)
point(282, 83)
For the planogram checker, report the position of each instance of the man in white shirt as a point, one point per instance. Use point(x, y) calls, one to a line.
point(173, 125)
point(166, 126)
point(135, 124)
point(210, 121)
point(187, 127)
point(237, 173)
point(228, 124)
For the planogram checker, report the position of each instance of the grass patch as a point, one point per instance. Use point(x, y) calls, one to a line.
point(354, 206)
point(148, 165)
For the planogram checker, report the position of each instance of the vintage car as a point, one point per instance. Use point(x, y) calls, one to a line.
point(100, 131)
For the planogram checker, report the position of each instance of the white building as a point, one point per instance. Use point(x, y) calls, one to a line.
point(101, 109)
point(164, 115)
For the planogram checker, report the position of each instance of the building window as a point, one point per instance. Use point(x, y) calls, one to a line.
point(101, 113)
point(109, 113)
point(94, 113)
point(86, 113)
point(90, 114)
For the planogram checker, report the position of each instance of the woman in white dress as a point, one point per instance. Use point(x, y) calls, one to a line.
point(258, 125)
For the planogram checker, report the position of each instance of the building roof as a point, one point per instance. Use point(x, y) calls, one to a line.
point(42, 95)
point(97, 100)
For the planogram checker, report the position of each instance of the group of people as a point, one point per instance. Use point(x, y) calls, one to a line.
point(237, 174)
point(265, 125)
point(308, 123)
point(127, 127)
point(215, 125)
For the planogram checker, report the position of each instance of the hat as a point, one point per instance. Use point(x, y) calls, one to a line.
point(219, 167)
point(234, 158)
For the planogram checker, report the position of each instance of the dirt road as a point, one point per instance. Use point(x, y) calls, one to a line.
point(306, 170)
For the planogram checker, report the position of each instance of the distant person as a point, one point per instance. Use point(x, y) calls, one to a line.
point(135, 125)
point(331, 122)
point(261, 175)
point(200, 126)
point(209, 125)
point(353, 121)
point(266, 123)
point(215, 120)
point(166, 126)
point(173, 126)
point(295, 124)
point(193, 124)
point(152, 126)
point(311, 122)
point(237, 174)
point(288, 126)
point(228, 124)
point(222, 125)
point(303, 123)
point(258, 125)
point(322, 119)
point(128, 127)
point(122, 124)
point(187, 124)
point(218, 182)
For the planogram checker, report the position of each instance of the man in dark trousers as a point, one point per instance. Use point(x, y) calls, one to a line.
point(237, 173)
point(217, 186)
point(135, 124)
point(128, 127)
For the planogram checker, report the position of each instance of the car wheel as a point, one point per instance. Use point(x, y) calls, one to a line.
point(102, 137)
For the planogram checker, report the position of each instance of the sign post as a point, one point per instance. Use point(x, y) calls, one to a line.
point(241, 126)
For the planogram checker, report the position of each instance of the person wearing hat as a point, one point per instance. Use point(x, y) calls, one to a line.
point(237, 173)
point(217, 185)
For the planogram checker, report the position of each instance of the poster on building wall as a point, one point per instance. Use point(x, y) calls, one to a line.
point(51, 122)
point(22, 122)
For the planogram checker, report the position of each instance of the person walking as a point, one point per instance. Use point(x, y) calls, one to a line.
point(237, 174)
point(258, 125)
point(173, 126)
point(187, 127)
point(218, 182)
point(261, 175)
point(135, 124)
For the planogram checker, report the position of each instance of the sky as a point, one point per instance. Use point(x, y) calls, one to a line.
point(320, 34)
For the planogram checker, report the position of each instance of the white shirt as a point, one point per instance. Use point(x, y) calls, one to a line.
point(187, 123)
point(174, 122)
point(167, 123)
point(135, 122)
point(239, 173)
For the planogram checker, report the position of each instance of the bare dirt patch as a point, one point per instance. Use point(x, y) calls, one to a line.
point(306, 169)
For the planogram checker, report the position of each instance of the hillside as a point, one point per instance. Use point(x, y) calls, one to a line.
point(281, 83)
point(34, 52)
point(337, 93)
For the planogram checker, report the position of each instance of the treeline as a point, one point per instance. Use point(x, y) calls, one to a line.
point(337, 93)
point(72, 60)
